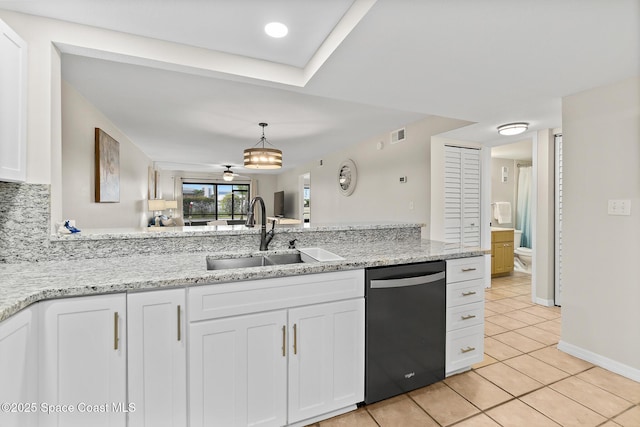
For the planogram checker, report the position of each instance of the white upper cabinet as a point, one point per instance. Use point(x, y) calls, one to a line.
point(13, 106)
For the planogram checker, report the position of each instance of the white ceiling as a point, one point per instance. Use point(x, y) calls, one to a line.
point(489, 62)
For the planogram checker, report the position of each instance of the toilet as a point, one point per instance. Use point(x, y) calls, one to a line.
point(522, 257)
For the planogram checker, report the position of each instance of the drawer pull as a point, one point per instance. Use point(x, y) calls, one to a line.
point(179, 324)
point(284, 341)
point(467, 350)
point(295, 339)
point(468, 316)
point(116, 334)
point(466, 294)
point(464, 270)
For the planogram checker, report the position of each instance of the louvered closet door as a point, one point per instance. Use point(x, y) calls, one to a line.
point(462, 196)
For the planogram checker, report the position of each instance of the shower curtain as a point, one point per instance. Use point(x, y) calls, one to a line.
point(523, 206)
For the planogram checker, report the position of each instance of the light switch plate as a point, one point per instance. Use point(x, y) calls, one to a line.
point(619, 207)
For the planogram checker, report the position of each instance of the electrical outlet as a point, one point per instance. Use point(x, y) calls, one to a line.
point(619, 207)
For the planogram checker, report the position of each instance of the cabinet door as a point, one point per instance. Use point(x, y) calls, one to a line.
point(326, 358)
point(18, 368)
point(238, 371)
point(83, 361)
point(157, 363)
point(13, 110)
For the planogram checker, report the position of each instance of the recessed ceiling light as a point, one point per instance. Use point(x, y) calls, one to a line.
point(276, 29)
point(513, 128)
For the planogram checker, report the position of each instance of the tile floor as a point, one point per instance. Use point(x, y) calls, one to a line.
point(523, 381)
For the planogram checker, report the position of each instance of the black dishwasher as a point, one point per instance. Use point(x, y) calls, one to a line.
point(405, 328)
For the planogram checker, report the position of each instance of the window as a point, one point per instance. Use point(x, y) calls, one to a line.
point(202, 201)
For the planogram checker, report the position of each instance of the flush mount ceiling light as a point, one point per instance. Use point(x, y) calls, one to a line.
point(260, 157)
point(276, 29)
point(513, 128)
point(228, 174)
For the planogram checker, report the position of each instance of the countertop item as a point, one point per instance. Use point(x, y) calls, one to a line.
point(23, 284)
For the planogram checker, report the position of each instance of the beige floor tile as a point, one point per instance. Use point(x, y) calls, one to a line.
point(561, 360)
point(614, 383)
point(443, 404)
point(506, 322)
point(480, 420)
point(631, 418)
point(521, 290)
point(552, 326)
point(477, 390)
point(527, 318)
point(506, 292)
point(515, 304)
point(548, 313)
point(499, 350)
point(519, 342)
point(518, 414)
point(539, 335)
point(497, 307)
point(525, 298)
point(493, 329)
point(536, 369)
point(561, 409)
point(488, 312)
point(508, 379)
point(601, 401)
point(357, 418)
point(400, 410)
point(488, 360)
point(610, 424)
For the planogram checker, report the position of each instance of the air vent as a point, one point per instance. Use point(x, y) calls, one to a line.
point(397, 136)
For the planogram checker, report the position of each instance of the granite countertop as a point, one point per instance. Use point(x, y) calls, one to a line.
point(27, 283)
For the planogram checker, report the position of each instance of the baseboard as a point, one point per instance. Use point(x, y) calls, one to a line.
point(545, 302)
point(323, 417)
point(599, 360)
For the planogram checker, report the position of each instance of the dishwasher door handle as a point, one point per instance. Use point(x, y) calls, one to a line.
point(408, 281)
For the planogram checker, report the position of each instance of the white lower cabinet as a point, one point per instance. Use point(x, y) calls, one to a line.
point(83, 361)
point(299, 359)
point(156, 358)
point(19, 369)
point(238, 371)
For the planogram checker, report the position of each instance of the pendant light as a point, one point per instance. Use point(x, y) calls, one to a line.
point(260, 157)
point(228, 174)
point(513, 128)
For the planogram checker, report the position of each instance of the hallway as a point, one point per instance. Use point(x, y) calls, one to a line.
point(523, 381)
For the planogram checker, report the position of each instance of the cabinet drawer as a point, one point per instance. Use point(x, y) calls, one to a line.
point(464, 348)
point(232, 299)
point(465, 292)
point(462, 269)
point(465, 315)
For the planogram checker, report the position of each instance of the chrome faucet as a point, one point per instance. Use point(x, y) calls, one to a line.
point(265, 237)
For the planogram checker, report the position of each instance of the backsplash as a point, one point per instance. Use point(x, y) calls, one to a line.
point(25, 234)
point(24, 222)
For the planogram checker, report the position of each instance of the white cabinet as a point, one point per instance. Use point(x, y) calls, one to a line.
point(465, 314)
point(13, 110)
point(326, 358)
point(156, 359)
point(82, 361)
point(18, 369)
point(238, 371)
point(276, 351)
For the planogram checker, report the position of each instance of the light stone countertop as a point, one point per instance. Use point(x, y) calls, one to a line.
point(27, 283)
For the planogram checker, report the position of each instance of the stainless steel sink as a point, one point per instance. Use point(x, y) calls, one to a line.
point(304, 255)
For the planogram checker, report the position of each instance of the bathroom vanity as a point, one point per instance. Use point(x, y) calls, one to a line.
point(501, 251)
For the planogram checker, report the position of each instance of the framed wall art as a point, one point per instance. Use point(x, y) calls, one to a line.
point(107, 168)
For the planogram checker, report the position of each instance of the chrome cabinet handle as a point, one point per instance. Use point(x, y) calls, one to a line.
point(467, 350)
point(464, 270)
point(284, 341)
point(467, 317)
point(466, 294)
point(116, 334)
point(179, 325)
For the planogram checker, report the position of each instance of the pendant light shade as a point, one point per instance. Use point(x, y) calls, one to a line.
point(228, 174)
point(260, 157)
point(513, 128)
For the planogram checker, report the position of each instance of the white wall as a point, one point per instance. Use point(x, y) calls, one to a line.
point(79, 120)
point(504, 191)
point(378, 195)
point(544, 218)
point(601, 283)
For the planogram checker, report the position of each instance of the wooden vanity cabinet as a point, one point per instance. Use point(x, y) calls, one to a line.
point(501, 252)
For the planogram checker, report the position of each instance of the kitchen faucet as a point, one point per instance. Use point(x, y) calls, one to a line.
point(265, 237)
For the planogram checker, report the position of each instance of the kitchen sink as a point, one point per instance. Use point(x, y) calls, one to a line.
point(301, 256)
